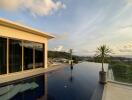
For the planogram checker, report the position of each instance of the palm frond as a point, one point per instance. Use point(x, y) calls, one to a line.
point(103, 51)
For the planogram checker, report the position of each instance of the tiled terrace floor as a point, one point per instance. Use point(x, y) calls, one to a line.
point(116, 91)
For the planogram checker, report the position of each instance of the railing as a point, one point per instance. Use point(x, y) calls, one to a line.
point(120, 71)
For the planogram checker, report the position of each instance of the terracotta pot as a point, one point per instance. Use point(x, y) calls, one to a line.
point(102, 77)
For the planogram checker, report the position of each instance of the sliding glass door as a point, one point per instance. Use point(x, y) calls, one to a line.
point(15, 55)
point(39, 55)
point(28, 55)
point(3, 55)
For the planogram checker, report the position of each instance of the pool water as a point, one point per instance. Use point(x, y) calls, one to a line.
point(79, 83)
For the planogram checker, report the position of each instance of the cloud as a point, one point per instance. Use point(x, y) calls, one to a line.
point(126, 26)
point(88, 51)
point(35, 7)
point(129, 1)
point(58, 48)
point(10, 6)
point(62, 36)
point(61, 49)
point(126, 48)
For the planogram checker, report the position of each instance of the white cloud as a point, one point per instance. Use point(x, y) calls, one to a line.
point(126, 48)
point(35, 7)
point(58, 48)
point(11, 6)
point(61, 49)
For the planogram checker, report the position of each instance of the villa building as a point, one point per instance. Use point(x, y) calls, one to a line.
point(23, 51)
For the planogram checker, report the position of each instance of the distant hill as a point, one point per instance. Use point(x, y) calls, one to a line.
point(57, 54)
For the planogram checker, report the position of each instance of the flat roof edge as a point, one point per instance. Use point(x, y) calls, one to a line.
point(14, 25)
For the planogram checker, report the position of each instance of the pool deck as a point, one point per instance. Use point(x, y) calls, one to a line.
point(117, 91)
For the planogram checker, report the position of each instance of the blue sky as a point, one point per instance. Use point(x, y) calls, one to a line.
point(82, 25)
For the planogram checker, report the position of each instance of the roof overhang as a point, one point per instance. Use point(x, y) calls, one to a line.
point(11, 24)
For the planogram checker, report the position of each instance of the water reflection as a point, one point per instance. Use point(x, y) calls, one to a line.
point(28, 89)
point(78, 82)
point(71, 76)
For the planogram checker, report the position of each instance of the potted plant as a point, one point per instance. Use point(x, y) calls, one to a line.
point(103, 53)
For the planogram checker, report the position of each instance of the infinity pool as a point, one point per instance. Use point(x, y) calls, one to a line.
point(79, 83)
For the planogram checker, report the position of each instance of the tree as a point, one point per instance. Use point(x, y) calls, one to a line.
point(103, 52)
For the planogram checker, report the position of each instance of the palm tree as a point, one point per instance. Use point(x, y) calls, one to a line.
point(103, 52)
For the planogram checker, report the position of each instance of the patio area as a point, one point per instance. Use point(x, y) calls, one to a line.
point(117, 91)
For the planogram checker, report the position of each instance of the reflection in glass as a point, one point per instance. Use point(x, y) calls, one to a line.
point(15, 55)
point(3, 55)
point(39, 55)
point(28, 55)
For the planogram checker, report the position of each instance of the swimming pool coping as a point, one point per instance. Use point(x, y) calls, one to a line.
point(32, 74)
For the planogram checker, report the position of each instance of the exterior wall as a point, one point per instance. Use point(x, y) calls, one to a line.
point(18, 34)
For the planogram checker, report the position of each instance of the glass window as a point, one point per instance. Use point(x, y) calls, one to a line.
point(3, 55)
point(15, 55)
point(39, 55)
point(28, 55)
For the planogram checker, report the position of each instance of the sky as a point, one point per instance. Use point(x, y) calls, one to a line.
point(82, 25)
